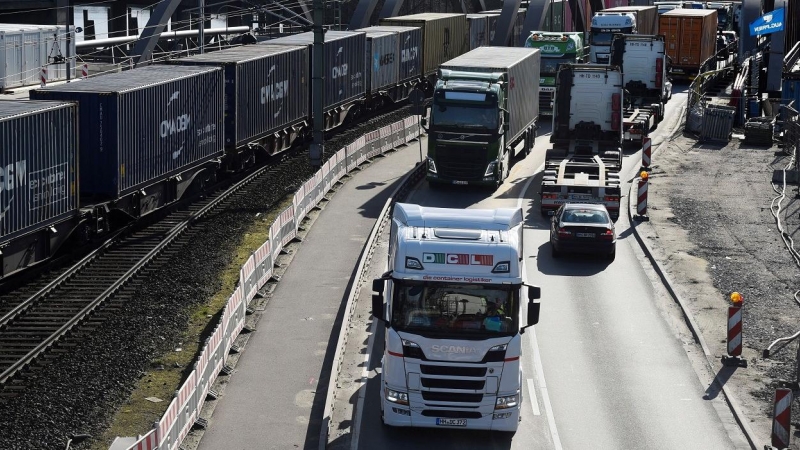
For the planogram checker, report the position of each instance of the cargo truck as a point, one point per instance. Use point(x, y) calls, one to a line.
point(642, 60)
point(557, 48)
point(623, 20)
point(724, 15)
point(483, 107)
point(691, 39)
point(584, 164)
point(444, 37)
point(453, 306)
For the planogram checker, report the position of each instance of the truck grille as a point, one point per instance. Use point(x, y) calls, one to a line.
point(465, 163)
point(545, 98)
point(453, 397)
point(473, 385)
point(455, 371)
point(451, 414)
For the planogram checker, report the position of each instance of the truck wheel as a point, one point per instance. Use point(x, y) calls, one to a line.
point(529, 140)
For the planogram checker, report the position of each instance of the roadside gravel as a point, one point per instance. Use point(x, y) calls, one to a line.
point(712, 229)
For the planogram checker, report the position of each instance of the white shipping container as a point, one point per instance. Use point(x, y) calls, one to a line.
point(25, 49)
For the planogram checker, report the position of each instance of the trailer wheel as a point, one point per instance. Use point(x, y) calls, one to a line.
point(530, 137)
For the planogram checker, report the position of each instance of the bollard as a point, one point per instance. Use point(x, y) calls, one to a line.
point(646, 153)
point(43, 76)
point(733, 358)
point(781, 418)
point(641, 204)
point(85, 70)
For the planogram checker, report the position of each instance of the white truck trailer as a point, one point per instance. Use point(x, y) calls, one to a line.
point(452, 303)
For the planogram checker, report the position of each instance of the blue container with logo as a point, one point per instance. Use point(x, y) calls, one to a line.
point(142, 126)
point(383, 59)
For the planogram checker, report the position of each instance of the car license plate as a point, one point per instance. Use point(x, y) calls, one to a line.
point(579, 196)
point(585, 235)
point(459, 182)
point(451, 422)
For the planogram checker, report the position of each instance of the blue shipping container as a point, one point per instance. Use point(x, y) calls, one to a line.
point(141, 126)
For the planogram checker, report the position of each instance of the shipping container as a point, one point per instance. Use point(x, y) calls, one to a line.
point(344, 63)
point(516, 28)
point(555, 17)
point(266, 89)
point(410, 42)
point(646, 17)
point(25, 49)
point(141, 126)
point(383, 59)
point(38, 165)
point(478, 35)
point(444, 36)
point(521, 66)
point(691, 38)
point(614, 3)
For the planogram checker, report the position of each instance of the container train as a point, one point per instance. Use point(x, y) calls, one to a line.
point(80, 160)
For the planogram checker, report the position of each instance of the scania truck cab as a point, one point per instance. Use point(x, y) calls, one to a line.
point(604, 26)
point(452, 302)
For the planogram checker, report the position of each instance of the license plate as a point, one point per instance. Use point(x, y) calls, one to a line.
point(585, 235)
point(579, 197)
point(451, 422)
point(459, 182)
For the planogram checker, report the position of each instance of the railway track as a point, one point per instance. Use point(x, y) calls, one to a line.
point(50, 315)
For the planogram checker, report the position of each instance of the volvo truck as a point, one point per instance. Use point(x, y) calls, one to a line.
point(557, 48)
point(455, 302)
point(482, 111)
point(622, 20)
point(584, 164)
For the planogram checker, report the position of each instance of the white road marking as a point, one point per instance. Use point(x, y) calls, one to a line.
point(532, 396)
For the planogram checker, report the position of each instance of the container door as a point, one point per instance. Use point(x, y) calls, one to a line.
point(692, 46)
point(671, 29)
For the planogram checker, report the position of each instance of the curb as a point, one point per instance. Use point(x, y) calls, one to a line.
point(732, 401)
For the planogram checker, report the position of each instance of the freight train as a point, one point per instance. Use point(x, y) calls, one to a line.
point(80, 160)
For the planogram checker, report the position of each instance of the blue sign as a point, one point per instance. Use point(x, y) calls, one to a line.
point(768, 23)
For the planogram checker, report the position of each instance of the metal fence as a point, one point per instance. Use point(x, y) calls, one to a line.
point(711, 121)
point(791, 138)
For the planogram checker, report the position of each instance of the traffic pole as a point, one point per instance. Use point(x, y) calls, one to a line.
point(781, 418)
point(733, 358)
point(646, 153)
point(641, 203)
point(43, 76)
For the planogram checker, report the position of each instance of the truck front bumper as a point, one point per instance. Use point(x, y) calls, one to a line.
point(395, 415)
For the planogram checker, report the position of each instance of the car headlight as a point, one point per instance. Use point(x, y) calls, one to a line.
point(490, 169)
point(509, 401)
point(401, 398)
point(431, 165)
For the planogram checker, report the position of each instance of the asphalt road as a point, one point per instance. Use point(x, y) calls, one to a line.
point(604, 368)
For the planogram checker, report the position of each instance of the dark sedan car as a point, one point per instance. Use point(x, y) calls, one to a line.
point(583, 228)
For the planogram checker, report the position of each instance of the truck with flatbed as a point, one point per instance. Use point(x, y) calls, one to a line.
point(481, 111)
point(619, 20)
point(584, 164)
point(455, 302)
point(557, 47)
point(643, 60)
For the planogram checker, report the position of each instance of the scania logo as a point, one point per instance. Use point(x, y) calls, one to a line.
point(452, 349)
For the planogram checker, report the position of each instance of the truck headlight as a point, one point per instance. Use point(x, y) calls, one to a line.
point(490, 169)
point(509, 401)
point(401, 398)
point(431, 165)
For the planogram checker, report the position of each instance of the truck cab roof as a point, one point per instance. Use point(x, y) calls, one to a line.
point(430, 217)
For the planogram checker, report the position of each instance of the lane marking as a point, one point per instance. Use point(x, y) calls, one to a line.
point(532, 395)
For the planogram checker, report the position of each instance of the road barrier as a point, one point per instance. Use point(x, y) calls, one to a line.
point(781, 418)
point(733, 358)
point(85, 71)
point(184, 410)
point(641, 204)
point(647, 153)
point(43, 76)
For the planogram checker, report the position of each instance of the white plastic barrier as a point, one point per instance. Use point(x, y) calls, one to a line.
point(185, 407)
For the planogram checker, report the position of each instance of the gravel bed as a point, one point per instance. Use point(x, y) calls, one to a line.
point(80, 390)
point(721, 196)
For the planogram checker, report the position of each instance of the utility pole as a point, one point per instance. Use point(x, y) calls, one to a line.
point(202, 34)
point(317, 86)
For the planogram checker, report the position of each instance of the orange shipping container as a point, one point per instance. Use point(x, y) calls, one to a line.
point(690, 36)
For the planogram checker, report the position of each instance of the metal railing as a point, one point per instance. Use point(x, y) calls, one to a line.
point(713, 122)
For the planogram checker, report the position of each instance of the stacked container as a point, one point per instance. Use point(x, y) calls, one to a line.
point(266, 88)
point(25, 49)
point(144, 125)
point(444, 36)
point(478, 31)
point(383, 59)
point(410, 45)
point(344, 63)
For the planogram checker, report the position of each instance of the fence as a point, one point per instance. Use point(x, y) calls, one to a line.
point(703, 115)
point(187, 403)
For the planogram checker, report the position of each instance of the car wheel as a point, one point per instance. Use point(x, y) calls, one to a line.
point(611, 256)
point(556, 253)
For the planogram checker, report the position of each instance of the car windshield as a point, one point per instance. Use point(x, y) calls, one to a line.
point(550, 65)
point(584, 216)
point(455, 309)
point(464, 116)
point(601, 38)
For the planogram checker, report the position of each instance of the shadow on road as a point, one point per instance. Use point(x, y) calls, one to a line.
point(722, 377)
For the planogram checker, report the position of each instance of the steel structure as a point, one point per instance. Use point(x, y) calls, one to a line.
point(150, 35)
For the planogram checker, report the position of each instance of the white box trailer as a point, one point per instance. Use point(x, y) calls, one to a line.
point(25, 49)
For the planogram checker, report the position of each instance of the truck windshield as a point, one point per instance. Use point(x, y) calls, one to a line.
point(464, 116)
point(550, 65)
point(603, 36)
point(455, 309)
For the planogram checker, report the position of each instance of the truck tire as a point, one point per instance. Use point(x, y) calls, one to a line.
point(530, 138)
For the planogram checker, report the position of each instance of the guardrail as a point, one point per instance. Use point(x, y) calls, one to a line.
point(184, 409)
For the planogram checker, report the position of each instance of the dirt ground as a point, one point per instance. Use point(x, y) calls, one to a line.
point(713, 231)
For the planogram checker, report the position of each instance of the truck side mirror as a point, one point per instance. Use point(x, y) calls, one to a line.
point(534, 293)
point(423, 122)
point(377, 307)
point(377, 285)
point(533, 313)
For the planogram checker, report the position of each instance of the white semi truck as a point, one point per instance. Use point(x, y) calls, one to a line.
point(452, 302)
